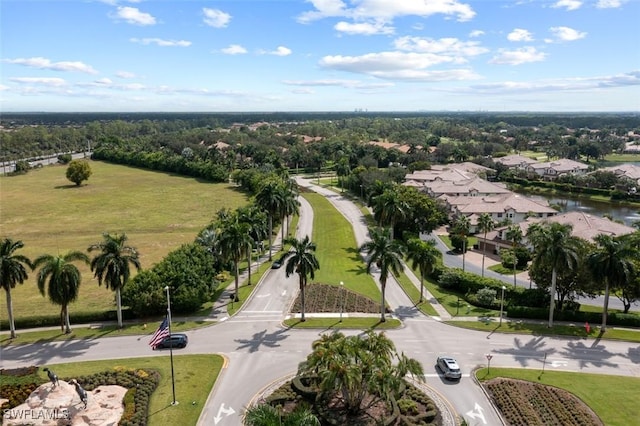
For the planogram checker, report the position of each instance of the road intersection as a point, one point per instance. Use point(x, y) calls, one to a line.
point(261, 352)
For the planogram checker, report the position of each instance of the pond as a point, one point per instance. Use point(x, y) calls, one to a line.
point(623, 212)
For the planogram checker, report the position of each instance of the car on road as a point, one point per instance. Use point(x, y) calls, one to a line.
point(276, 265)
point(449, 367)
point(176, 340)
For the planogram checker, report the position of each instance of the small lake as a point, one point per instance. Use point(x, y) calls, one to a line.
point(625, 213)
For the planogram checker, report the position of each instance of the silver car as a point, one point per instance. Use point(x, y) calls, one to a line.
point(449, 367)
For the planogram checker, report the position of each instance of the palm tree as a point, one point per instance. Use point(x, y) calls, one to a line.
point(462, 229)
point(554, 245)
point(13, 270)
point(425, 256)
point(268, 198)
point(234, 240)
point(111, 266)
point(62, 281)
point(389, 208)
point(611, 263)
point(355, 369)
point(255, 219)
point(342, 169)
point(302, 261)
point(290, 205)
point(514, 234)
point(485, 224)
point(387, 255)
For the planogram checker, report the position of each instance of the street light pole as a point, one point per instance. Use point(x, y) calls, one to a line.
point(173, 382)
point(342, 301)
point(502, 303)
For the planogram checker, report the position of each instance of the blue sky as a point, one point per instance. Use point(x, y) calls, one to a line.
point(319, 55)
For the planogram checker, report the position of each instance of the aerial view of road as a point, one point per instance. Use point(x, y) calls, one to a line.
point(261, 352)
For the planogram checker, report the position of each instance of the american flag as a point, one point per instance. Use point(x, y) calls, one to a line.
point(161, 333)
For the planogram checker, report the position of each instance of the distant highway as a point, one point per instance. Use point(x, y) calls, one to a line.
point(10, 166)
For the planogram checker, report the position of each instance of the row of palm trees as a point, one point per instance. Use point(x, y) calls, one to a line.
point(59, 278)
point(610, 261)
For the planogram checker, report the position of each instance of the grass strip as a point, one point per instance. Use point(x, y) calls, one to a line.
point(538, 329)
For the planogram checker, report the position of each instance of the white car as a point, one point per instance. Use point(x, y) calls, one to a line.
point(449, 367)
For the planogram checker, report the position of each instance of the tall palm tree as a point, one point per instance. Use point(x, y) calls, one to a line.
point(514, 234)
point(234, 240)
point(290, 205)
point(554, 245)
point(612, 263)
point(269, 199)
point(13, 270)
point(485, 224)
point(60, 279)
point(111, 266)
point(462, 228)
point(387, 255)
point(389, 208)
point(301, 260)
point(256, 221)
point(425, 256)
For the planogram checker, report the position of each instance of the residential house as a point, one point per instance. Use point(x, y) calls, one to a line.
point(552, 169)
point(516, 161)
point(584, 225)
point(510, 206)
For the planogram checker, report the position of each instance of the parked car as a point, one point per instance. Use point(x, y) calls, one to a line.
point(449, 367)
point(176, 340)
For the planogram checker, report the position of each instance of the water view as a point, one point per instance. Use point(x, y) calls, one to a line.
point(625, 213)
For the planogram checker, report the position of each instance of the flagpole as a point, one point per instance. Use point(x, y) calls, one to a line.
point(173, 382)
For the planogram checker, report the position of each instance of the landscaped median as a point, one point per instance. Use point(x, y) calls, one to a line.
point(194, 379)
point(537, 396)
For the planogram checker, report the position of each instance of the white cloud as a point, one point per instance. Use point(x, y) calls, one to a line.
point(519, 34)
point(161, 42)
point(518, 56)
point(46, 64)
point(364, 28)
point(125, 74)
point(476, 33)
point(216, 18)
point(349, 84)
point(3, 87)
point(398, 65)
point(609, 4)
point(568, 84)
point(133, 15)
point(566, 34)
point(386, 10)
point(104, 81)
point(44, 81)
point(451, 46)
point(234, 49)
point(567, 4)
point(280, 51)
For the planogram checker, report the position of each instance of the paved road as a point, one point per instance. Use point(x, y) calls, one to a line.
point(260, 351)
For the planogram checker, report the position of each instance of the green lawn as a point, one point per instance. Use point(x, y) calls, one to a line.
point(447, 241)
point(622, 157)
point(413, 292)
point(337, 250)
point(194, 379)
point(504, 271)
point(157, 211)
point(613, 398)
point(492, 325)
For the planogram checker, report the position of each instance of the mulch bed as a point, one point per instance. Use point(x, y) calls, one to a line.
point(329, 298)
point(532, 404)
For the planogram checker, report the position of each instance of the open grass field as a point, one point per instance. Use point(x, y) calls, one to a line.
point(613, 398)
point(156, 210)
